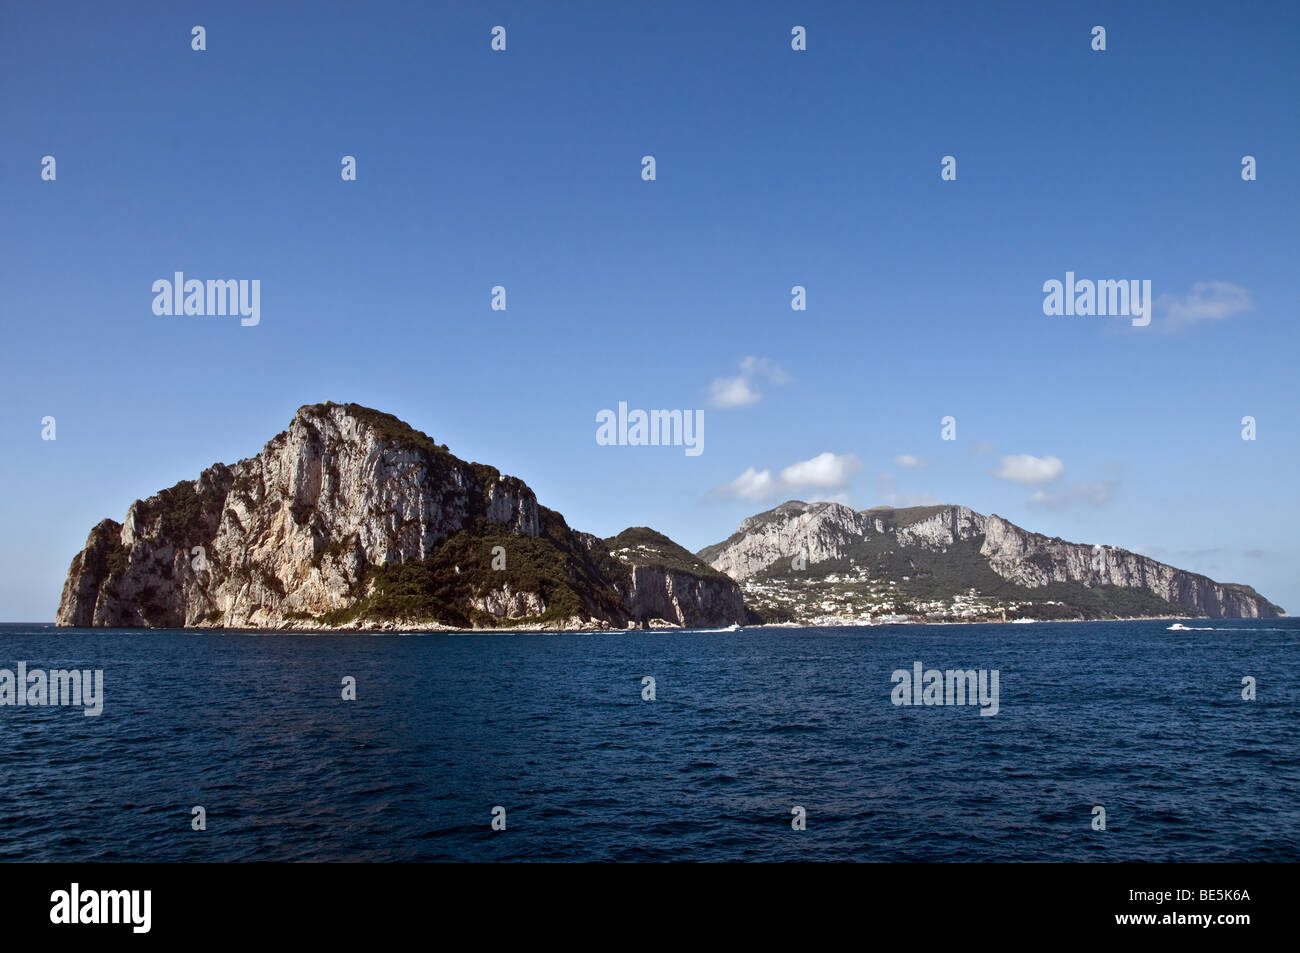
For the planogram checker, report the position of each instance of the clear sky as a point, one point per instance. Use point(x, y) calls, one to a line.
point(774, 168)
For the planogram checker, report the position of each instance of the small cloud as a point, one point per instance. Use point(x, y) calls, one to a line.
point(750, 485)
point(1091, 493)
point(1207, 301)
point(826, 471)
point(732, 392)
point(823, 475)
point(909, 461)
point(1029, 470)
point(1254, 554)
point(742, 390)
point(983, 447)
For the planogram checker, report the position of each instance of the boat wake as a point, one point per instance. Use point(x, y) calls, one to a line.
point(1179, 627)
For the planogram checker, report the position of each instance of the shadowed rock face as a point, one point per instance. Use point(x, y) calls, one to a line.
point(320, 522)
point(821, 532)
point(683, 598)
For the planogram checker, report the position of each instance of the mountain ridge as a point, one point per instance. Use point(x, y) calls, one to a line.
point(353, 518)
point(984, 566)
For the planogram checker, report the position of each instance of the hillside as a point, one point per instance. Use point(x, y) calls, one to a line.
point(351, 518)
point(828, 562)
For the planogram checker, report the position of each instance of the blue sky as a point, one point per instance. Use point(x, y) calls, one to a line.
point(774, 168)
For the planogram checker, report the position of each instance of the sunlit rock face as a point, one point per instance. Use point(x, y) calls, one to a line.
point(298, 532)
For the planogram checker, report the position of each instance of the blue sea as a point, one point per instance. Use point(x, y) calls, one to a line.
point(744, 727)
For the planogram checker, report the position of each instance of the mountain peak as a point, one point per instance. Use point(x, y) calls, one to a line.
point(949, 562)
point(353, 517)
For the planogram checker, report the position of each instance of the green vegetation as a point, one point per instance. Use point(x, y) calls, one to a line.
point(768, 614)
point(243, 488)
point(1106, 602)
point(116, 557)
point(649, 548)
point(893, 519)
point(184, 516)
point(179, 508)
point(921, 575)
point(569, 578)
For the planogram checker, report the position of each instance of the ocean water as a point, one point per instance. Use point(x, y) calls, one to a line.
point(1148, 723)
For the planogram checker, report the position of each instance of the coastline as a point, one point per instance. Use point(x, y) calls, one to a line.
point(422, 628)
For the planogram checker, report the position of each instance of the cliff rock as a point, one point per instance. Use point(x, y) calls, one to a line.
point(352, 518)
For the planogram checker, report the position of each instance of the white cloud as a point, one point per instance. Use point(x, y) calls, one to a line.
point(732, 392)
point(763, 367)
point(826, 471)
point(823, 474)
point(742, 390)
point(1207, 301)
point(1029, 470)
point(750, 485)
point(907, 460)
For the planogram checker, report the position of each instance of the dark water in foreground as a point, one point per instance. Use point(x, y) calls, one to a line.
point(1146, 722)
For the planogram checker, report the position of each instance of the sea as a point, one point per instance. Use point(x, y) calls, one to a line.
point(1112, 741)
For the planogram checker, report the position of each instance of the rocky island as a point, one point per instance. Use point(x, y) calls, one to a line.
point(826, 563)
point(350, 518)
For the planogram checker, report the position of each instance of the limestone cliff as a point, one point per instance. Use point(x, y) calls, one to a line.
point(352, 518)
point(931, 553)
point(671, 584)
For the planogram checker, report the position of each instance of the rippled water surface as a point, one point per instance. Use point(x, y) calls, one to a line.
point(1146, 722)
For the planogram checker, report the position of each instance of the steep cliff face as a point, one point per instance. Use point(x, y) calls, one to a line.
point(1032, 560)
point(953, 546)
point(350, 517)
point(817, 531)
point(668, 583)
